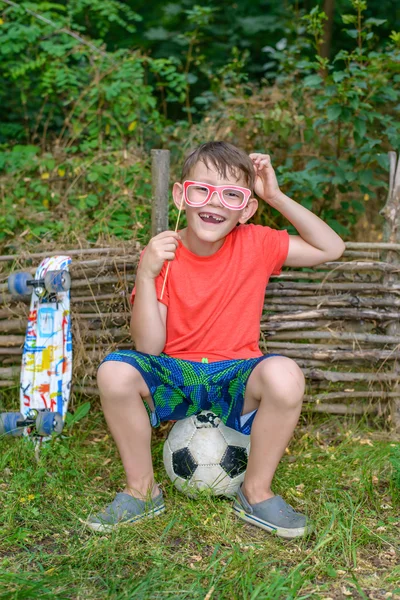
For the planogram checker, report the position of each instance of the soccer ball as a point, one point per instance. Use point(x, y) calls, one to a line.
point(201, 452)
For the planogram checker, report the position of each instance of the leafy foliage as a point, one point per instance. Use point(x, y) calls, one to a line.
point(77, 119)
point(327, 124)
point(80, 111)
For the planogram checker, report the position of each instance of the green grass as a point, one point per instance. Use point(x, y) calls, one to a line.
point(339, 472)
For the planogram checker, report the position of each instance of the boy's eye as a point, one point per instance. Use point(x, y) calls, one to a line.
point(200, 189)
point(232, 194)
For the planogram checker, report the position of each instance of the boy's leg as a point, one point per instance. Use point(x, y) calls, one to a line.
point(275, 388)
point(122, 390)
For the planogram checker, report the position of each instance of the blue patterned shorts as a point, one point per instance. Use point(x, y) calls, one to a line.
point(181, 388)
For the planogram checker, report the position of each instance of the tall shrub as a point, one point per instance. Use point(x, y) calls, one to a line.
point(327, 123)
point(77, 122)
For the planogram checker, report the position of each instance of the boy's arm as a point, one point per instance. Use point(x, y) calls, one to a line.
point(316, 242)
point(148, 318)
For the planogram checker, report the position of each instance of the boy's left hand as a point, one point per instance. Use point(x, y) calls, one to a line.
point(266, 184)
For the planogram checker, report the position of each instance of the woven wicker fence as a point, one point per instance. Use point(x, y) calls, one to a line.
point(339, 321)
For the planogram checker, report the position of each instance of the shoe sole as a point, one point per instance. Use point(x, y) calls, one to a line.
point(279, 531)
point(105, 527)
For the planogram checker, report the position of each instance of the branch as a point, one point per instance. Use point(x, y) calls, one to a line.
point(63, 30)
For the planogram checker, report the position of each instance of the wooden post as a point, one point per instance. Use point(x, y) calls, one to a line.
point(391, 234)
point(160, 189)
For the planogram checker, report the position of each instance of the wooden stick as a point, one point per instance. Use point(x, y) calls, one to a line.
point(341, 409)
point(292, 325)
point(335, 356)
point(361, 266)
point(338, 313)
point(105, 262)
point(373, 245)
point(332, 335)
point(13, 371)
point(11, 340)
point(332, 346)
point(14, 325)
point(350, 394)
point(304, 302)
point(74, 252)
point(119, 296)
point(361, 254)
point(335, 376)
point(167, 269)
point(362, 286)
point(8, 384)
point(160, 189)
point(322, 276)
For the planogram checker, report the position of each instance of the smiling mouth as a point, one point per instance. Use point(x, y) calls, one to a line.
point(211, 218)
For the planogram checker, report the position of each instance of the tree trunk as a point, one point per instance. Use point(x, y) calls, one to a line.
point(329, 10)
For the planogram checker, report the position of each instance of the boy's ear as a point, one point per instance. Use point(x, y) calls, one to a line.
point(177, 195)
point(249, 211)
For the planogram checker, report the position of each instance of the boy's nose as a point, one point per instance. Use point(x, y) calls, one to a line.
point(212, 199)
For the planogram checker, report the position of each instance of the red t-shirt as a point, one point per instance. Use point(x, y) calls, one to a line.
point(215, 302)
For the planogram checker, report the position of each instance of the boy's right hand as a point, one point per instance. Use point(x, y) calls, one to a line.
point(160, 248)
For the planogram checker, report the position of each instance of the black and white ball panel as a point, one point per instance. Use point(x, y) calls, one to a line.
point(183, 463)
point(234, 461)
point(201, 452)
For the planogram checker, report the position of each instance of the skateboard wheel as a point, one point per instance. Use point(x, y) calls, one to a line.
point(17, 284)
point(57, 281)
point(48, 423)
point(58, 423)
point(8, 424)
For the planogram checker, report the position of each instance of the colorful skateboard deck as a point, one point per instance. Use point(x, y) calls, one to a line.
point(46, 368)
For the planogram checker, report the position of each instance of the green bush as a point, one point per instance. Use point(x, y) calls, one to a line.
point(79, 119)
point(327, 124)
point(77, 124)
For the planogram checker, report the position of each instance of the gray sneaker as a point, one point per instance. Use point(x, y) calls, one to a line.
point(273, 515)
point(126, 510)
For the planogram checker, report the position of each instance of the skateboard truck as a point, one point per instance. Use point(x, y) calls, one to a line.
point(21, 284)
point(41, 422)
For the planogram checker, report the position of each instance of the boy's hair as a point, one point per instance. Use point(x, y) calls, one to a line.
point(225, 157)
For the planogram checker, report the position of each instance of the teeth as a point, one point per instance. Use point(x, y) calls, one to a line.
point(207, 216)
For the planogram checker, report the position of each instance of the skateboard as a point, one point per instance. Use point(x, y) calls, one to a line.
point(46, 367)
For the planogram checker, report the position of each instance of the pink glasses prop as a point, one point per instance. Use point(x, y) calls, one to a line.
point(197, 193)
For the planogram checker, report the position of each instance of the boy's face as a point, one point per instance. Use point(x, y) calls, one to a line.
point(206, 230)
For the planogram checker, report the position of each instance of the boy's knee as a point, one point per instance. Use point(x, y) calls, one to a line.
point(285, 379)
point(120, 379)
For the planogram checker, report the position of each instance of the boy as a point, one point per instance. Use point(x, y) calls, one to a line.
point(197, 340)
